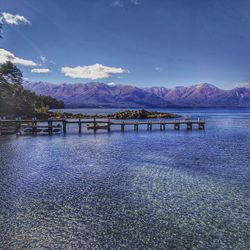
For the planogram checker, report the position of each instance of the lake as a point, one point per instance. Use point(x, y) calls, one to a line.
point(132, 190)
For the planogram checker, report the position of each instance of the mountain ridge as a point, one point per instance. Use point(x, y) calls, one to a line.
point(97, 94)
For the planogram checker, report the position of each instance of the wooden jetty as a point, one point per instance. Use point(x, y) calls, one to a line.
point(15, 126)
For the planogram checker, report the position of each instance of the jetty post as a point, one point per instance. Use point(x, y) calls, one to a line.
point(64, 122)
point(94, 122)
point(123, 126)
point(149, 125)
point(20, 123)
point(0, 125)
point(17, 123)
point(109, 125)
point(34, 125)
point(136, 125)
point(162, 125)
point(189, 125)
point(201, 125)
point(176, 125)
point(50, 126)
point(79, 126)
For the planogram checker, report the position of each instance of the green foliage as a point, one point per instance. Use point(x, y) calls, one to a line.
point(42, 112)
point(132, 114)
point(50, 102)
point(141, 114)
point(16, 101)
point(9, 73)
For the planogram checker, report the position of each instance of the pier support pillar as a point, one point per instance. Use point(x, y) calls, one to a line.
point(189, 126)
point(17, 125)
point(123, 127)
point(177, 126)
point(162, 126)
point(50, 126)
point(136, 127)
point(149, 126)
point(94, 125)
point(0, 126)
point(64, 126)
point(79, 126)
point(20, 123)
point(34, 126)
point(201, 126)
point(109, 125)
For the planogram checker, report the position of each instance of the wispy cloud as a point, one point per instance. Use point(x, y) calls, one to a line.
point(40, 71)
point(96, 71)
point(14, 19)
point(117, 3)
point(120, 3)
point(5, 56)
point(159, 69)
point(43, 59)
point(135, 2)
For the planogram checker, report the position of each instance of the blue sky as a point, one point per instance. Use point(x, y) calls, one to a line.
point(139, 42)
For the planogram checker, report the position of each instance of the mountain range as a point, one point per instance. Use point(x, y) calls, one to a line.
point(95, 94)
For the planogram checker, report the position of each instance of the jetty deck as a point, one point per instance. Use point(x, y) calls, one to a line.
point(15, 126)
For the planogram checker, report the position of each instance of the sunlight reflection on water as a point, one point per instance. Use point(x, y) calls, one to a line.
point(128, 190)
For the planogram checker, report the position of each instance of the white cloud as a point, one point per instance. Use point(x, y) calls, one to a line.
point(5, 56)
point(243, 84)
point(40, 71)
point(135, 2)
point(96, 71)
point(117, 3)
point(14, 19)
point(159, 69)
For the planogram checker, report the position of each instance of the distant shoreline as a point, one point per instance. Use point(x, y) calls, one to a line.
point(155, 108)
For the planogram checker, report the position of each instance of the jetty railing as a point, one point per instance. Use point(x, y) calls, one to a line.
point(15, 126)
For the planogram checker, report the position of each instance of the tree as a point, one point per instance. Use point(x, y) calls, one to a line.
point(10, 74)
point(16, 101)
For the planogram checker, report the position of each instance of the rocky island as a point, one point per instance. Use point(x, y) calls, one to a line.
point(121, 115)
point(142, 114)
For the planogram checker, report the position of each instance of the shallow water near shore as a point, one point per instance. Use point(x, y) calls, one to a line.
point(132, 190)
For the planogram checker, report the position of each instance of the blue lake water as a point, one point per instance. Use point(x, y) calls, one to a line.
point(132, 190)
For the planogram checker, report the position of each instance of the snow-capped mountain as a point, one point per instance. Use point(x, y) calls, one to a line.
point(95, 94)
